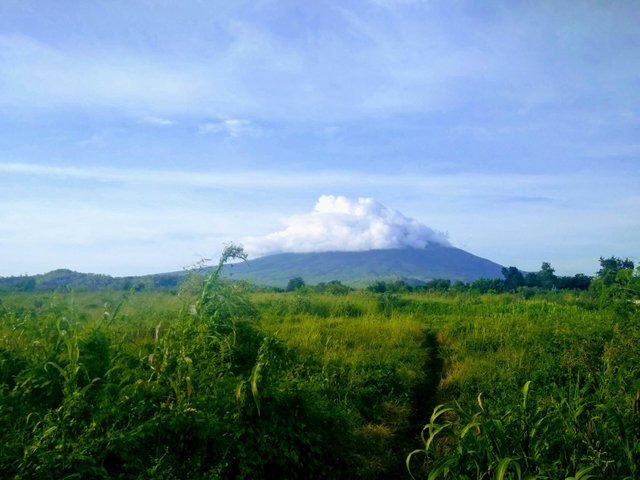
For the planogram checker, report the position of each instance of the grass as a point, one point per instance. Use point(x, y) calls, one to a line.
point(217, 381)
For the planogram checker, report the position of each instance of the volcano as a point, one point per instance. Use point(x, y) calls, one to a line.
point(414, 265)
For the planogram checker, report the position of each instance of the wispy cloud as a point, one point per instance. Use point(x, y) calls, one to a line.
point(460, 183)
point(157, 121)
point(352, 63)
point(37, 75)
point(102, 238)
point(67, 223)
point(233, 127)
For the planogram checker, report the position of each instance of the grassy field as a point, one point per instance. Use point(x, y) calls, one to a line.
point(219, 381)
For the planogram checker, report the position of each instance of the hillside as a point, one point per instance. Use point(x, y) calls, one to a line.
point(359, 268)
point(353, 268)
point(63, 279)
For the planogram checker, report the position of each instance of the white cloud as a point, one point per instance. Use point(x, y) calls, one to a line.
point(38, 75)
point(233, 127)
point(257, 74)
point(157, 121)
point(348, 63)
point(82, 217)
point(339, 223)
point(467, 184)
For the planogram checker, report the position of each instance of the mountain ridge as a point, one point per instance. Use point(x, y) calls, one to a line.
point(355, 268)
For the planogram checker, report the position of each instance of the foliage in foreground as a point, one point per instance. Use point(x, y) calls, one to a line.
point(579, 418)
point(571, 435)
point(205, 392)
point(222, 382)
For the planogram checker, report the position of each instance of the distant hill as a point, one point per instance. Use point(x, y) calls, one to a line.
point(360, 268)
point(63, 279)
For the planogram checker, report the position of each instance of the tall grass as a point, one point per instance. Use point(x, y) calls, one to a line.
point(582, 367)
point(218, 381)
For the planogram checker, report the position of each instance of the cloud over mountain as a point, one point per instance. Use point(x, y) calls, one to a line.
point(338, 223)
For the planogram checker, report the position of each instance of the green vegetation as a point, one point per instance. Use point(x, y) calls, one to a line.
point(68, 280)
point(219, 380)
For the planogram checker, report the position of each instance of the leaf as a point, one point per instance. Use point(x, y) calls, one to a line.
point(503, 467)
point(255, 378)
point(408, 461)
point(583, 474)
point(442, 468)
point(525, 394)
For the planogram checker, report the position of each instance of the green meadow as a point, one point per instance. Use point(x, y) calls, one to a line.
point(220, 380)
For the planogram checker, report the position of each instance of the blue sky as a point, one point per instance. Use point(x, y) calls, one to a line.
point(139, 136)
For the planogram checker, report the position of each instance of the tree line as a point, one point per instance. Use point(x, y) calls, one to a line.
point(613, 270)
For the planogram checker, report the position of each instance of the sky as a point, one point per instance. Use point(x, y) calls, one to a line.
point(140, 136)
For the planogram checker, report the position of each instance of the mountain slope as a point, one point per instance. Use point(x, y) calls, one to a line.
point(63, 279)
point(352, 268)
point(356, 268)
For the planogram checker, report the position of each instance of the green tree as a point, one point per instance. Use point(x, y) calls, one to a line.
point(513, 278)
point(546, 276)
point(295, 284)
point(379, 286)
point(459, 286)
point(617, 286)
point(26, 284)
point(487, 285)
point(531, 279)
point(436, 285)
point(579, 281)
point(609, 268)
point(336, 287)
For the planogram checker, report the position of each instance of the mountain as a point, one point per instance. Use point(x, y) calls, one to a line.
point(360, 268)
point(352, 268)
